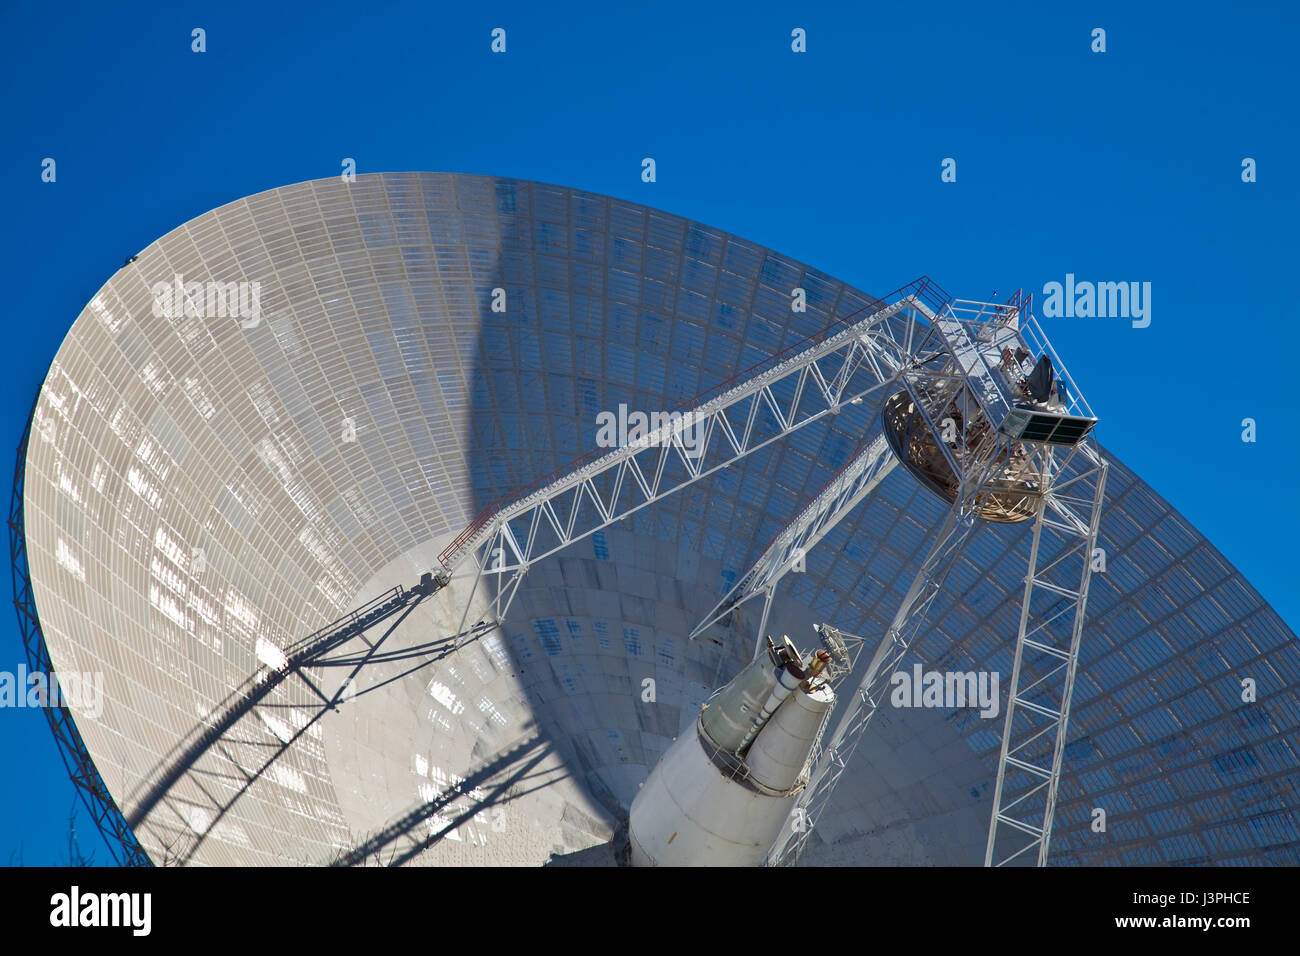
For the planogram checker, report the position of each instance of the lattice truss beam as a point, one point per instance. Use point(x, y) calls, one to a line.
point(221, 732)
point(958, 410)
point(1045, 662)
point(934, 373)
point(944, 363)
point(828, 762)
point(853, 483)
point(1061, 562)
point(801, 387)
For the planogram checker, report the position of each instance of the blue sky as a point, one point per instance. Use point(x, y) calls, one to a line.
point(1115, 166)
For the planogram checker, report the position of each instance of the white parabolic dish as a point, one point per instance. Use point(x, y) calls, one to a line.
point(202, 491)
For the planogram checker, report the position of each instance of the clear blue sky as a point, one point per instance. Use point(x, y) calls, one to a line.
point(1115, 166)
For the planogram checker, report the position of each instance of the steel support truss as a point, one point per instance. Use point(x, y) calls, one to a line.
point(949, 378)
point(1061, 561)
point(297, 660)
point(841, 366)
point(1062, 557)
point(829, 762)
point(854, 482)
point(933, 355)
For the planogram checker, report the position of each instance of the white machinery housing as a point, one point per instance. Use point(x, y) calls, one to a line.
point(723, 791)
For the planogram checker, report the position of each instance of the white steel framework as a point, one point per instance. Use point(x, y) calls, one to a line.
point(838, 367)
point(952, 375)
point(829, 763)
point(854, 482)
point(1062, 558)
point(953, 361)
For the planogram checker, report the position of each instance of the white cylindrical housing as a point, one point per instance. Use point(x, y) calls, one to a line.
point(729, 717)
point(689, 813)
point(777, 756)
point(786, 682)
